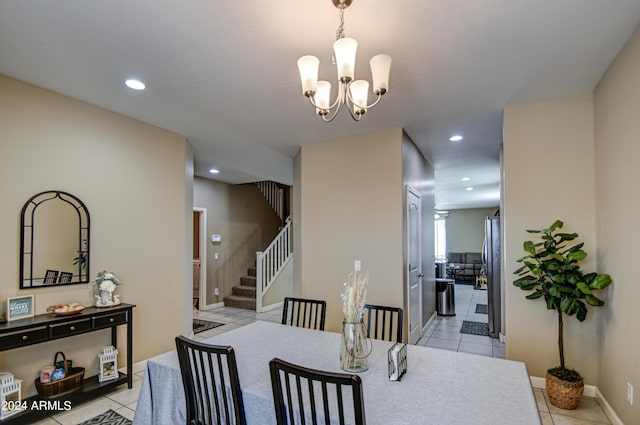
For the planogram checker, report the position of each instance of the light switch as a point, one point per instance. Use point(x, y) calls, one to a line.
point(216, 256)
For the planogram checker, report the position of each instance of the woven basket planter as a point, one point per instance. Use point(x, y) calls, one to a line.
point(564, 394)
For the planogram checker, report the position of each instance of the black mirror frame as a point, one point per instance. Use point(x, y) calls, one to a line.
point(26, 220)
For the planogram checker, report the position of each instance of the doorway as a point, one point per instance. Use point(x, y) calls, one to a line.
point(199, 258)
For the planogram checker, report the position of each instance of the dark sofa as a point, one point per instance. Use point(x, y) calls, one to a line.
point(471, 263)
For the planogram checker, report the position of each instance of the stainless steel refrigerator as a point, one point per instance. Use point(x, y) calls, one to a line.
point(491, 265)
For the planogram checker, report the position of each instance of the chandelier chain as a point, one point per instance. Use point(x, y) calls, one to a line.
point(340, 31)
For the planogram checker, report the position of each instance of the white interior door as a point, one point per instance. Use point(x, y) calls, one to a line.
point(202, 236)
point(414, 264)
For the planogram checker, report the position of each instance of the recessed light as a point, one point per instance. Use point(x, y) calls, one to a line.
point(465, 179)
point(214, 171)
point(469, 189)
point(456, 138)
point(135, 84)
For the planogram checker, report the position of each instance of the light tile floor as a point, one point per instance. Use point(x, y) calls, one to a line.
point(443, 333)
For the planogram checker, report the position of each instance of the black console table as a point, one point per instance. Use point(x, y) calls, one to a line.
point(46, 327)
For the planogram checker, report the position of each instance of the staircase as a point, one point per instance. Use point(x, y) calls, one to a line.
point(244, 295)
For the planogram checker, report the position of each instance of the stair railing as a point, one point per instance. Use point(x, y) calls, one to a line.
point(274, 195)
point(271, 261)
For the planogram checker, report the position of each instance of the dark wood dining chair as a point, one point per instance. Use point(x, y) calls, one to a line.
point(383, 322)
point(51, 276)
point(304, 313)
point(300, 393)
point(65, 277)
point(207, 370)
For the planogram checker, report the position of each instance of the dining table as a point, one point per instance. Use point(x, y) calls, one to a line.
point(440, 387)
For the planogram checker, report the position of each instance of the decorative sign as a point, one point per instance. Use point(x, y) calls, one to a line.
point(397, 356)
point(19, 307)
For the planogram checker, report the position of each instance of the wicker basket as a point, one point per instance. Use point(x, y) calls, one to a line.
point(564, 394)
point(70, 383)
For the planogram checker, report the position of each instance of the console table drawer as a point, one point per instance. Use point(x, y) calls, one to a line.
point(70, 328)
point(18, 339)
point(109, 320)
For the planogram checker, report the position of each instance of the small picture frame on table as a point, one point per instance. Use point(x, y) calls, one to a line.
point(20, 307)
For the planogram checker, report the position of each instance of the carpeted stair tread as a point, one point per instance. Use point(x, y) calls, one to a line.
point(244, 291)
point(251, 271)
point(248, 281)
point(240, 302)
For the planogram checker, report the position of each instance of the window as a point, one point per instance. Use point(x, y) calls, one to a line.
point(440, 237)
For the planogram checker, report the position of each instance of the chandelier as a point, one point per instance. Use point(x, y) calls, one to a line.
point(353, 94)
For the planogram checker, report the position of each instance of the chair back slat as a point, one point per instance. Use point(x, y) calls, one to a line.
point(304, 313)
point(384, 322)
point(211, 384)
point(323, 392)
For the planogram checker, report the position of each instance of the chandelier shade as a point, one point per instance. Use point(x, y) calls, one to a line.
point(380, 68)
point(352, 93)
point(308, 68)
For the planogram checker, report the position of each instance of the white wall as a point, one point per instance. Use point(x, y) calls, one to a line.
point(548, 175)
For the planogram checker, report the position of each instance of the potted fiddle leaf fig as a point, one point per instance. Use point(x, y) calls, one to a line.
point(550, 269)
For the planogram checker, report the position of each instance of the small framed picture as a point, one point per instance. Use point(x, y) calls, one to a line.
point(20, 307)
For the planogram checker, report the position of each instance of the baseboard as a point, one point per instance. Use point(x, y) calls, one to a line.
point(272, 307)
point(429, 322)
point(212, 306)
point(608, 410)
point(589, 391)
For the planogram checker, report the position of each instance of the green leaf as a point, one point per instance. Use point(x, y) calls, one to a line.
point(575, 247)
point(535, 295)
point(569, 306)
point(521, 259)
point(577, 255)
point(533, 231)
point(582, 312)
point(558, 278)
point(601, 281)
point(593, 300)
point(521, 269)
point(552, 303)
point(557, 257)
point(556, 225)
point(528, 246)
point(583, 287)
point(567, 236)
point(554, 291)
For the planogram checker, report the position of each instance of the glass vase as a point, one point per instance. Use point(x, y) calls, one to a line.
point(353, 347)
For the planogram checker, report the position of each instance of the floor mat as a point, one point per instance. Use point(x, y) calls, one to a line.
point(108, 418)
point(204, 325)
point(481, 309)
point(475, 328)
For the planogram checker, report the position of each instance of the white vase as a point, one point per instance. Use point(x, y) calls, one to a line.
point(106, 297)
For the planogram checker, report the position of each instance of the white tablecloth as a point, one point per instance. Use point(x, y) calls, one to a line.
point(440, 387)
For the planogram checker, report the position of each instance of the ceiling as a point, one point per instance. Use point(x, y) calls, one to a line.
point(223, 73)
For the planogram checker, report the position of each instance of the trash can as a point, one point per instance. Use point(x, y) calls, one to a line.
point(445, 297)
point(441, 269)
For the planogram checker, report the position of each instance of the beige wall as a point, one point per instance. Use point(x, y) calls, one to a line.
point(246, 222)
point(549, 175)
point(349, 207)
point(465, 229)
point(132, 178)
point(617, 107)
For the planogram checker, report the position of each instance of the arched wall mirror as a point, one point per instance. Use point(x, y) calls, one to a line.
point(54, 240)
